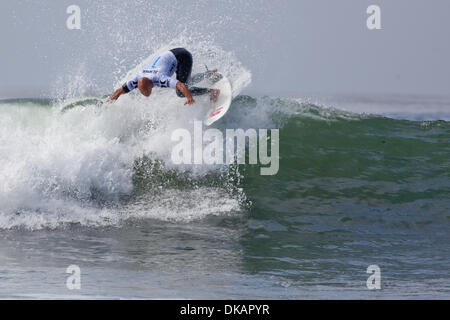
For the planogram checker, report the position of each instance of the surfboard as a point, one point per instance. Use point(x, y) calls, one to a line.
point(218, 109)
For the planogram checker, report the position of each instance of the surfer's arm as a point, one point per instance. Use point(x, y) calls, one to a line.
point(116, 94)
point(127, 87)
point(184, 90)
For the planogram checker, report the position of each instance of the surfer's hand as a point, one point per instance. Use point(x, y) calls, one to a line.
point(116, 95)
point(113, 97)
point(185, 91)
point(189, 100)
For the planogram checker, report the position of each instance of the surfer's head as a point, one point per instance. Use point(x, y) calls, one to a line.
point(145, 85)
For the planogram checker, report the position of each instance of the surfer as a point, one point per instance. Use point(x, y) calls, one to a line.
point(158, 73)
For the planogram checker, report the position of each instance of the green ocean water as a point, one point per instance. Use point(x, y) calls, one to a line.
point(354, 191)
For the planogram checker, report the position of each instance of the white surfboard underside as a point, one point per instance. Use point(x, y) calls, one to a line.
point(218, 109)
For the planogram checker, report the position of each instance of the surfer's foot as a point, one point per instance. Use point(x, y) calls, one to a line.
point(214, 95)
point(213, 75)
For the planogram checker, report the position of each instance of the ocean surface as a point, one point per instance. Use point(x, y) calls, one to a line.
point(93, 186)
point(362, 181)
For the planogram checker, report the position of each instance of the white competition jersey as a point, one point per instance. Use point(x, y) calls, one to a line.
point(159, 71)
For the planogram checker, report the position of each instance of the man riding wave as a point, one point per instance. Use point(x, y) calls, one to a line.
point(159, 71)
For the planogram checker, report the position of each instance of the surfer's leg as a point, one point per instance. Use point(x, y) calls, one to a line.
point(213, 76)
point(196, 78)
point(184, 64)
point(195, 91)
point(184, 69)
point(210, 74)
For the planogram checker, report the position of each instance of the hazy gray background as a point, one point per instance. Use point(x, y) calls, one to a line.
point(291, 47)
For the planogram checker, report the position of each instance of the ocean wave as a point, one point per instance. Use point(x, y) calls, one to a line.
point(98, 164)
